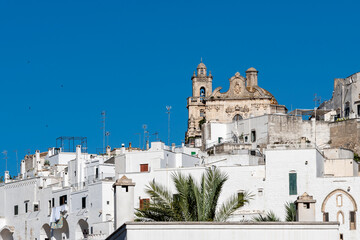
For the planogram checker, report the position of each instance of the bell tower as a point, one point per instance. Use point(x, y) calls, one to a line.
point(201, 89)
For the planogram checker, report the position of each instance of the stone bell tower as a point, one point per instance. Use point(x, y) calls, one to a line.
point(201, 88)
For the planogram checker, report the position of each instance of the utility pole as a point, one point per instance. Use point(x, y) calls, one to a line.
point(168, 108)
point(103, 117)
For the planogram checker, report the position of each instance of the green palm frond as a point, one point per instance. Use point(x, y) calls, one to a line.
point(290, 211)
point(269, 217)
point(192, 201)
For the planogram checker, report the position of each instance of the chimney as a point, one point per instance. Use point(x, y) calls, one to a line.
point(78, 151)
point(129, 146)
point(7, 176)
point(37, 160)
point(173, 147)
point(122, 148)
point(124, 201)
point(108, 150)
point(305, 208)
point(22, 169)
point(147, 144)
point(251, 77)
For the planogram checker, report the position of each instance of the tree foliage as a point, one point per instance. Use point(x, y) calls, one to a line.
point(192, 201)
point(268, 217)
point(290, 212)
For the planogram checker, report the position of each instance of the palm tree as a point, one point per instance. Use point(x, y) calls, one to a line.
point(192, 201)
point(290, 210)
point(269, 217)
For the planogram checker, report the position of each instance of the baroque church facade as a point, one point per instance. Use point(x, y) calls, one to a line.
point(244, 99)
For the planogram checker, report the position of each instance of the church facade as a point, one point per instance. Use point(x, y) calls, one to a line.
point(244, 99)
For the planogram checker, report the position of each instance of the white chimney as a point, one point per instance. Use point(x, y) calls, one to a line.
point(123, 201)
point(22, 169)
point(37, 160)
point(7, 176)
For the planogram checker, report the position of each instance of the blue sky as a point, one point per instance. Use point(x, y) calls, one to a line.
point(63, 62)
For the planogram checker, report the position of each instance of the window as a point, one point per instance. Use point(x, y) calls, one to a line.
point(358, 110)
point(292, 184)
point(246, 138)
point(16, 210)
point(237, 117)
point(347, 109)
point(108, 202)
point(352, 220)
point(63, 200)
point(26, 206)
point(340, 217)
point(339, 201)
point(253, 136)
point(83, 202)
point(53, 202)
point(144, 203)
point(36, 207)
point(49, 208)
point(325, 217)
point(96, 172)
point(202, 113)
point(75, 173)
point(341, 236)
point(144, 167)
point(202, 92)
point(307, 205)
point(241, 197)
point(125, 188)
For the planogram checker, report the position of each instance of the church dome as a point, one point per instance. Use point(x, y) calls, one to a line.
point(201, 65)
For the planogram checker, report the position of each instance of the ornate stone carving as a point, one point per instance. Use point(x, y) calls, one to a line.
point(237, 88)
point(229, 110)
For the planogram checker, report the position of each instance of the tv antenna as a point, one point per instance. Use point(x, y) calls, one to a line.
point(156, 136)
point(144, 126)
point(103, 119)
point(168, 108)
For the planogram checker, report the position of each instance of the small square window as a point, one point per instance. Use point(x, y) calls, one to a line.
point(108, 202)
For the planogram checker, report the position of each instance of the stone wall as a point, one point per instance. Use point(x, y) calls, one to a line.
point(345, 134)
point(290, 129)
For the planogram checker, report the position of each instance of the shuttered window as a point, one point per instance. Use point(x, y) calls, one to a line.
point(292, 184)
point(352, 220)
point(326, 217)
point(144, 203)
point(144, 167)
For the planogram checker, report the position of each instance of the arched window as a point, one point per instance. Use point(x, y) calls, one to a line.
point(202, 92)
point(237, 117)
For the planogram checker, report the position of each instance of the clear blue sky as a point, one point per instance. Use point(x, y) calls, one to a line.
point(63, 62)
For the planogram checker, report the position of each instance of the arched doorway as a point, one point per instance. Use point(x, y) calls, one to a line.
point(340, 206)
point(45, 232)
point(6, 234)
point(82, 230)
point(63, 232)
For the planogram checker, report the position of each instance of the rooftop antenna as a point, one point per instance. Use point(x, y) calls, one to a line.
point(139, 139)
point(144, 126)
point(201, 59)
point(156, 136)
point(6, 158)
point(107, 138)
point(168, 108)
point(103, 117)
